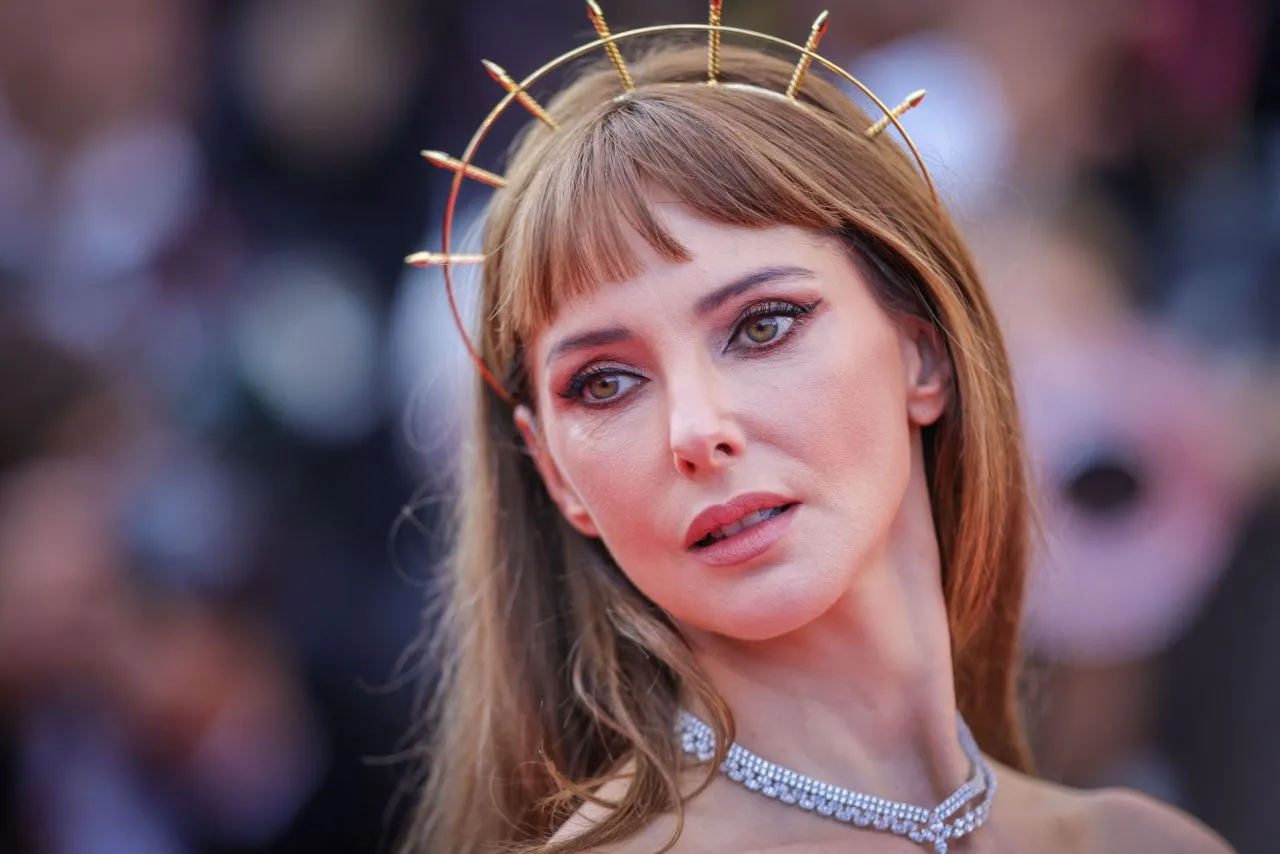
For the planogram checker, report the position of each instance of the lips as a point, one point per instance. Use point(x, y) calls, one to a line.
point(748, 521)
point(721, 521)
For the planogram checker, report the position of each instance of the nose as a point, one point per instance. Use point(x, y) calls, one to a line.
point(705, 434)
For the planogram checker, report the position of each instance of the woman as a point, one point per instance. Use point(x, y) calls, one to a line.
point(762, 468)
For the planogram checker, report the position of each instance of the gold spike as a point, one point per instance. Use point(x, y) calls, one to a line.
point(497, 73)
point(436, 259)
point(602, 29)
point(453, 164)
point(912, 101)
point(802, 67)
point(713, 44)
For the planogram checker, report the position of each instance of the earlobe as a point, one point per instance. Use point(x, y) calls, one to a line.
point(561, 492)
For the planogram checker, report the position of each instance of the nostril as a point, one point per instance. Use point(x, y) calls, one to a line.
point(683, 465)
point(1105, 485)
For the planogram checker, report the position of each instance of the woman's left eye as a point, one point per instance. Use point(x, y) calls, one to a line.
point(768, 324)
point(762, 330)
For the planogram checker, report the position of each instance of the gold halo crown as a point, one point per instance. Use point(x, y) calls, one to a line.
point(462, 167)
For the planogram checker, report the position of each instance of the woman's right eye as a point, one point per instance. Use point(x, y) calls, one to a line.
point(596, 388)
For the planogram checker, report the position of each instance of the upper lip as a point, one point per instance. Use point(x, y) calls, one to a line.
point(719, 515)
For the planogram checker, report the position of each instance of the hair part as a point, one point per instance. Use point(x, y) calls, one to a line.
point(556, 669)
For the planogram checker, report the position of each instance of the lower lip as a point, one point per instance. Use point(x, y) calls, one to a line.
point(749, 543)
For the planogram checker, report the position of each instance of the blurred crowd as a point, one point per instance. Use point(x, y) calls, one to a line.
point(228, 412)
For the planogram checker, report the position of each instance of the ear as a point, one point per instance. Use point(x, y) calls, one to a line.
point(928, 371)
point(560, 490)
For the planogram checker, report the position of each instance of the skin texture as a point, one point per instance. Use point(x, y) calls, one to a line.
point(845, 611)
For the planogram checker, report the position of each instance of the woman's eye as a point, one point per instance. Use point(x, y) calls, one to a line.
point(766, 328)
point(604, 387)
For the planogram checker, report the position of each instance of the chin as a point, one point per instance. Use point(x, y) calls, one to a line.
point(769, 606)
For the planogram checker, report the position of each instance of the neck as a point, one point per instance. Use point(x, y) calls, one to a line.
point(863, 697)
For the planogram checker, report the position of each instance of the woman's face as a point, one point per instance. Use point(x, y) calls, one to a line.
point(760, 382)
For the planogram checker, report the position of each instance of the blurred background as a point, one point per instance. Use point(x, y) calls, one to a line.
point(228, 412)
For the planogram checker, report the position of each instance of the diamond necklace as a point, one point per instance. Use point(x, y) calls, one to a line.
point(947, 821)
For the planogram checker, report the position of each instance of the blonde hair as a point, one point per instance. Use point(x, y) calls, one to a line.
point(555, 669)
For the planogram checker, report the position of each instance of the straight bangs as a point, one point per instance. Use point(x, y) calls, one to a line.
point(721, 153)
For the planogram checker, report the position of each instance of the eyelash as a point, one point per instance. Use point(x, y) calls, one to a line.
point(799, 314)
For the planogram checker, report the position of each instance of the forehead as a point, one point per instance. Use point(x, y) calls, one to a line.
point(715, 254)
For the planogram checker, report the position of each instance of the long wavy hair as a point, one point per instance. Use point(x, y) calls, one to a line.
point(554, 670)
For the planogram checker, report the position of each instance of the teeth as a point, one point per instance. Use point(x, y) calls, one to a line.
point(742, 524)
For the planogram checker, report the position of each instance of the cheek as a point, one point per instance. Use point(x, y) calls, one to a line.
point(846, 418)
point(618, 465)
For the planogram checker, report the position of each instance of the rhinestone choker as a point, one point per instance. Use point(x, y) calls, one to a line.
point(959, 815)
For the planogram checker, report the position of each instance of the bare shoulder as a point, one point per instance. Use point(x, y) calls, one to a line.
point(1123, 820)
point(1056, 818)
point(654, 837)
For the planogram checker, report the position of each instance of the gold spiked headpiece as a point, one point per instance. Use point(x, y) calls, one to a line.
point(462, 167)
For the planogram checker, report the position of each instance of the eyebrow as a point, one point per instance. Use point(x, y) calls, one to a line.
point(705, 305)
point(742, 284)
